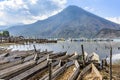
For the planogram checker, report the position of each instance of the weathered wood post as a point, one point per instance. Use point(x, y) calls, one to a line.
point(110, 63)
point(102, 63)
point(35, 48)
point(1, 39)
point(83, 55)
point(50, 71)
point(49, 67)
point(36, 57)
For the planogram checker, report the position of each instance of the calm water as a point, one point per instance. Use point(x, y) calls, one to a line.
point(101, 48)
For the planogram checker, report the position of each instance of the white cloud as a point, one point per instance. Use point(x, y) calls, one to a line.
point(33, 1)
point(114, 19)
point(89, 9)
point(28, 11)
point(2, 23)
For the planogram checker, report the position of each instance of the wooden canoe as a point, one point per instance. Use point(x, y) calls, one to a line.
point(11, 70)
point(76, 72)
point(90, 73)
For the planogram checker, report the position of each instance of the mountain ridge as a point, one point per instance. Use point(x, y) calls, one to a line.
point(71, 22)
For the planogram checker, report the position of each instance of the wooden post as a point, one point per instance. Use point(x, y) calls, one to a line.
point(34, 48)
point(83, 55)
point(110, 63)
point(50, 71)
point(1, 39)
point(36, 57)
point(102, 63)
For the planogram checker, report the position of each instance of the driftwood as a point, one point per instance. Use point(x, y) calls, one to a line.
point(9, 71)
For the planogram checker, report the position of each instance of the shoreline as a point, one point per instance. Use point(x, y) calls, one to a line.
point(6, 44)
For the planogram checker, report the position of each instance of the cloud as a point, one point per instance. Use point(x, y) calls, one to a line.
point(89, 9)
point(14, 12)
point(114, 19)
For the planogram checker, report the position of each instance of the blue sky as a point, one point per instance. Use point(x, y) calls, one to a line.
point(104, 8)
point(14, 12)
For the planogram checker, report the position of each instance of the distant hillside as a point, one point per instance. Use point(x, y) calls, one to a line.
point(108, 33)
point(71, 22)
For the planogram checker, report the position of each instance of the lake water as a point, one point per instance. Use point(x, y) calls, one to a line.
point(101, 48)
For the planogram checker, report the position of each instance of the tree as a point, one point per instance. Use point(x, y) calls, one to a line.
point(0, 34)
point(6, 33)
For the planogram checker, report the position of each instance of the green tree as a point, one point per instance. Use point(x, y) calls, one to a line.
point(0, 34)
point(6, 33)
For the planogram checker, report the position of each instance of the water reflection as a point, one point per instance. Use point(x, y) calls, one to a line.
point(101, 48)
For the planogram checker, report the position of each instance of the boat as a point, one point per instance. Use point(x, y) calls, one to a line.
point(90, 72)
point(93, 57)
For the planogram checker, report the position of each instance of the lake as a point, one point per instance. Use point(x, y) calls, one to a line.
point(101, 48)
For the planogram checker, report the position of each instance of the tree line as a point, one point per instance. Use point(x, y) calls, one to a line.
point(4, 33)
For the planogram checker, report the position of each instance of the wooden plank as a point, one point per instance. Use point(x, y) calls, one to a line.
point(51, 56)
point(90, 69)
point(3, 55)
point(29, 58)
point(84, 71)
point(41, 54)
point(7, 65)
point(97, 73)
point(58, 54)
point(77, 64)
point(4, 61)
point(58, 72)
point(55, 73)
point(40, 73)
point(68, 64)
point(21, 66)
point(31, 71)
point(76, 72)
point(42, 59)
point(74, 57)
point(8, 71)
point(65, 57)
